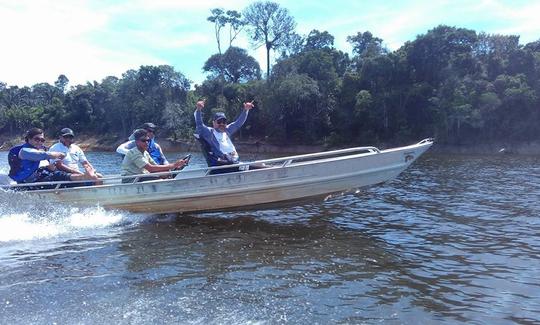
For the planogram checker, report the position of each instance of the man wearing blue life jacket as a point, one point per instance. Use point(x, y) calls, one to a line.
point(217, 139)
point(25, 160)
point(154, 149)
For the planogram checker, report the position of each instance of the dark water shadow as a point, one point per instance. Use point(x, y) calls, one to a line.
point(213, 246)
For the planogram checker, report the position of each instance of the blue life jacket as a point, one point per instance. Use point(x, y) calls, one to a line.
point(212, 158)
point(20, 169)
point(155, 153)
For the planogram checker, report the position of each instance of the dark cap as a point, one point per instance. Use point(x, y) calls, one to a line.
point(67, 131)
point(139, 134)
point(149, 126)
point(219, 116)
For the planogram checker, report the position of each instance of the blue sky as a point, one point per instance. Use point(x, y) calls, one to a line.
point(89, 40)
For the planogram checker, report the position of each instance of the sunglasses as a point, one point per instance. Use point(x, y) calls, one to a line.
point(39, 139)
point(221, 122)
point(144, 140)
point(149, 130)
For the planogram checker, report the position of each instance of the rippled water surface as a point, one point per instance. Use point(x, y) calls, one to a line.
point(455, 239)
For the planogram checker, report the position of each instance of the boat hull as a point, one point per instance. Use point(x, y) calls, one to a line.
point(299, 180)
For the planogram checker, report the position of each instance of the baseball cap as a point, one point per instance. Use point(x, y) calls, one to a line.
point(219, 116)
point(67, 131)
point(149, 126)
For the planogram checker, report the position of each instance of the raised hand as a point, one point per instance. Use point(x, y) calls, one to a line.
point(249, 105)
point(200, 104)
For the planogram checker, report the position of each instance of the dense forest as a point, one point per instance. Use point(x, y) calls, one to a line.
point(455, 84)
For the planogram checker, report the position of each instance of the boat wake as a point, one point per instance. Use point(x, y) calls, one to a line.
point(22, 218)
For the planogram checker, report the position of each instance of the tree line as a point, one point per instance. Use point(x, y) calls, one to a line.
point(455, 84)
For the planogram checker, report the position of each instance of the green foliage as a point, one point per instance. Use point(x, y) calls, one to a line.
point(114, 105)
point(145, 93)
point(318, 40)
point(365, 45)
point(235, 65)
point(452, 83)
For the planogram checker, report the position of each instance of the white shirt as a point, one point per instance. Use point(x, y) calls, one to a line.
point(125, 147)
point(74, 154)
point(225, 144)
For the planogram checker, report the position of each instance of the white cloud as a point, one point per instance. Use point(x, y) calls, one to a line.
point(522, 21)
point(46, 40)
point(88, 40)
point(199, 5)
point(400, 21)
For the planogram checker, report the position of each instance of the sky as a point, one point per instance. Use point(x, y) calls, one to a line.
point(87, 40)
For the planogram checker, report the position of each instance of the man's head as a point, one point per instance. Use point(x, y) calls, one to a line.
point(150, 129)
point(220, 122)
point(35, 137)
point(66, 136)
point(141, 139)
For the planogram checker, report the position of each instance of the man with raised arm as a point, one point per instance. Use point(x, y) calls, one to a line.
point(221, 150)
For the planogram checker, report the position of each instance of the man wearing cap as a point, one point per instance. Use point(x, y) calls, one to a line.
point(73, 155)
point(138, 161)
point(29, 162)
point(154, 149)
point(221, 149)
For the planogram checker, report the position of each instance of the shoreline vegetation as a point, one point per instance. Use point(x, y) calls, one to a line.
point(108, 144)
point(471, 91)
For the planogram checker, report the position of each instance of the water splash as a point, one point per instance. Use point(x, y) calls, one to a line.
point(19, 226)
point(23, 218)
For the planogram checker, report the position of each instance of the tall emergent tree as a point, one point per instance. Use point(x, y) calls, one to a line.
point(220, 18)
point(236, 24)
point(268, 25)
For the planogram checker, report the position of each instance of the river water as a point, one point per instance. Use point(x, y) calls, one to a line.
point(455, 239)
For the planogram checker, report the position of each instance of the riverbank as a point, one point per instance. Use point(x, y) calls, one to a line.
point(532, 149)
point(109, 143)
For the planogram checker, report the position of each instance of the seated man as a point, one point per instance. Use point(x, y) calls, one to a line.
point(154, 149)
point(138, 160)
point(73, 155)
point(24, 161)
point(221, 150)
